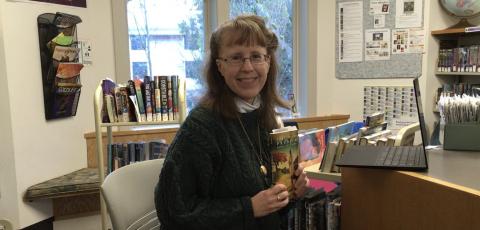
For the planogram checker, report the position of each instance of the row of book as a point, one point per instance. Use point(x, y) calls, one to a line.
point(460, 59)
point(121, 154)
point(147, 100)
point(317, 210)
point(373, 131)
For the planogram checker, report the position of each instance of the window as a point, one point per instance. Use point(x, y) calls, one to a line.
point(137, 42)
point(167, 38)
point(278, 15)
point(139, 68)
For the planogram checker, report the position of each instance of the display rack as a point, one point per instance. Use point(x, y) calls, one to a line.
point(314, 172)
point(99, 125)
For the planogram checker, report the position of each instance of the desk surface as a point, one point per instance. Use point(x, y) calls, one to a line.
point(456, 167)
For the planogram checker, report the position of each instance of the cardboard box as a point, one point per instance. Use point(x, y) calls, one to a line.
point(462, 136)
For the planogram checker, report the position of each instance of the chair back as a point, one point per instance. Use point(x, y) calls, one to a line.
point(129, 195)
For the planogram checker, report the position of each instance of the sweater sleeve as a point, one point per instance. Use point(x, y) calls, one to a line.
point(185, 198)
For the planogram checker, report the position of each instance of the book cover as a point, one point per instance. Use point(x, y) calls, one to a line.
point(65, 53)
point(312, 146)
point(65, 99)
point(67, 70)
point(285, 153)
point(108, 108)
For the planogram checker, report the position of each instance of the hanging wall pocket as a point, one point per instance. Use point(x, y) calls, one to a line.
point(57, 37)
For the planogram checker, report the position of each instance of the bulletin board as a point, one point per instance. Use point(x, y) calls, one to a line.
point(398, 65)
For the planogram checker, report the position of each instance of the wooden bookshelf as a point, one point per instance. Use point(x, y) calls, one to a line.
point(313, 172)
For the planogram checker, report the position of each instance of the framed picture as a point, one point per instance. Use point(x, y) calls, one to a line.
point(77, 3)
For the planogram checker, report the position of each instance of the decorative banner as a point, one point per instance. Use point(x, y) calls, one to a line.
point(77, 3)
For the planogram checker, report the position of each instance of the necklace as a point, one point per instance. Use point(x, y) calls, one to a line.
point(263, 169)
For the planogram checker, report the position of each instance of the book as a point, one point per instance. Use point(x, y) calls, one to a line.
point(169, 98)
point(163, 98)
point(65, 53)
point(374, 119)
point(158, 102)
point(175, 101)
point(312, 146)
point(141, 106)
point(329, 157)
point(67, 70)
point(148, 98)
point(108, 107)
point(285, 153)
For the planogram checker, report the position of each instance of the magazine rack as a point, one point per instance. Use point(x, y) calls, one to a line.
point(99, 125)
point(61, 92)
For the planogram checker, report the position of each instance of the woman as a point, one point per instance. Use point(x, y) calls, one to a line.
point(217, 171)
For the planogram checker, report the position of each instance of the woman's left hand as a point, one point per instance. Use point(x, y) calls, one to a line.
point(302, 182)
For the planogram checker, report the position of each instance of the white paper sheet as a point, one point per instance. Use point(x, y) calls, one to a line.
point(379, 7)
point(378, 21)
point(377, 44)
point(408, 13)
point(350, 39)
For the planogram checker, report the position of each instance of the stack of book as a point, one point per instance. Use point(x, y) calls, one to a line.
point(121, 154)
point(156, 100)
point(317, 210)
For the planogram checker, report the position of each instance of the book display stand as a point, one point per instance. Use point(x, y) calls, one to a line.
point(59, 61)
point(99, 125)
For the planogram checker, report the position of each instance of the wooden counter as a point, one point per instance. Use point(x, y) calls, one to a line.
point(447, 196)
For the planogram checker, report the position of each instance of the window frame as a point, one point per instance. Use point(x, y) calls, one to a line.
point(216, 12)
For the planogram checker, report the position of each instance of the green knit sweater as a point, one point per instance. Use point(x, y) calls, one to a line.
point(210, 174)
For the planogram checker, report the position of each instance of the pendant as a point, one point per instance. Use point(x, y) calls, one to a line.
point(263, 169)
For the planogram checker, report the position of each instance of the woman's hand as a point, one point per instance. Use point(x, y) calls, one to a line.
point(269, 200)
point(302, 182)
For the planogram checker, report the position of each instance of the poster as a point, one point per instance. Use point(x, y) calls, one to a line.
point(379, 7)
point(350, 39)
point(377, 44)
point(408, 13)
point(397, 102)
point(400, 38)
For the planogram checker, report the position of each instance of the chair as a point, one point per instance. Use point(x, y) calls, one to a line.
point(406, 135)
point(129, 195)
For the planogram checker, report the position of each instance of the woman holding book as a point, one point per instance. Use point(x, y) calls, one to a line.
point(217, 173)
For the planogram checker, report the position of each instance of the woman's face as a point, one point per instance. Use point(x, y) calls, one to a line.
point(244, 69)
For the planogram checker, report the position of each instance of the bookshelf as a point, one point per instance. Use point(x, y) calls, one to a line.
point(458, 62)
point(314, 172)
point(99, 126)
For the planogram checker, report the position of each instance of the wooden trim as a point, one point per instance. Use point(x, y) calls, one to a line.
point(319, 118)
point(450, 31)
point(442, 182)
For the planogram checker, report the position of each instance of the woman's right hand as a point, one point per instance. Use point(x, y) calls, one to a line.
point(269, 200)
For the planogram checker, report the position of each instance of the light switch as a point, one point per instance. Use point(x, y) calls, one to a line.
point(85, 56)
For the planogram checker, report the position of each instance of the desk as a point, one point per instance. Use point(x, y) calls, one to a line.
point(447, 196)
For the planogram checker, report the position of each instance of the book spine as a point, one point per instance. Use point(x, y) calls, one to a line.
point(141, 105)
point(118, 104)
point(158, 102)
point(152, 99)
point(169, 99)
point(148, 98)
point(175, 96)
point(163, 97)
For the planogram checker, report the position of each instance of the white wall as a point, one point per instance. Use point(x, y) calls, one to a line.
point(8, 184)
point(39, 150)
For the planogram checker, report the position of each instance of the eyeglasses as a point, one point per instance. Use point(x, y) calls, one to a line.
point(238, 60)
